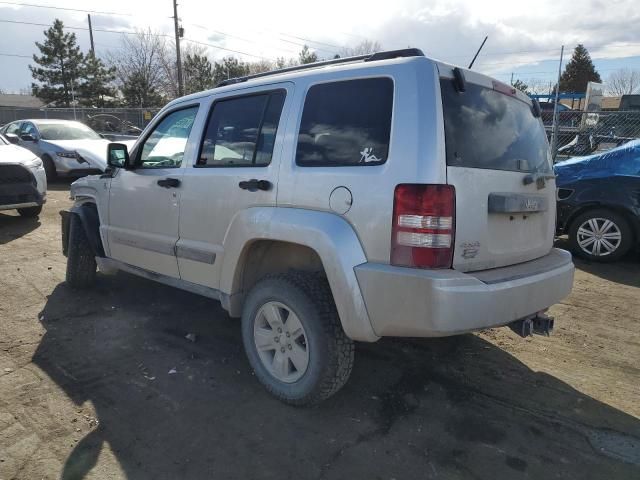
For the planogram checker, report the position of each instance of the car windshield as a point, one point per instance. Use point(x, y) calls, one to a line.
point(488, 129)
point(66, 131)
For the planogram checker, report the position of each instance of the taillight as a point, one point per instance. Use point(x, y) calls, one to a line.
point(423, 226)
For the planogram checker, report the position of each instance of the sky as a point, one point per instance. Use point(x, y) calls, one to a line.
point(521, 41)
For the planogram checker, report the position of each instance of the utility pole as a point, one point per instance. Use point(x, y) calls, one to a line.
point(178, 60)
point(93, 48)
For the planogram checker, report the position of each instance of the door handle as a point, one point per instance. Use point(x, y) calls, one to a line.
point(254, 185)
point(169, 182)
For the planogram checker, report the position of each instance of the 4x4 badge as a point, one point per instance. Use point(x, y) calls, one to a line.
point(470, 249)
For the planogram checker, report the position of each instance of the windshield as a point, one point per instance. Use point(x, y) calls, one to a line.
point(488, 129)
point(66, 131)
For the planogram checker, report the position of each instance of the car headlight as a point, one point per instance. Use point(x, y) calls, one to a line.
point(67, 154)
point(33, 163)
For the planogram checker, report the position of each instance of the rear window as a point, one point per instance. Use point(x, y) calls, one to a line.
point(346, 123)
point(488, 129)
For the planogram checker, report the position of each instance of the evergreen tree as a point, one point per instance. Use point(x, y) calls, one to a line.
point(229, 67)
point(578, 72)
point(59, 67)
point(520, 85)
point(198, 73)
point(307, 56)
point(139, 92)
point(97, 82)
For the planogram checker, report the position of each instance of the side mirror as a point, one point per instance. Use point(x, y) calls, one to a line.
point(13, 138)
point(118, 156)
point(27, 137)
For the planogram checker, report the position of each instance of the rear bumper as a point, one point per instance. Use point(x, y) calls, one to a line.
point(411, 302)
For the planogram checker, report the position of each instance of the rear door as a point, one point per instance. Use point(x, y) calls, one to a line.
point(498, 160)
point(236, 168)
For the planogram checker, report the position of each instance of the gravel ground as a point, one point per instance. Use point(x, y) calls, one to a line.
point(87, 389)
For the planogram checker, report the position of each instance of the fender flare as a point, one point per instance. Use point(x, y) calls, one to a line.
point(87, 213)
point(328, 234)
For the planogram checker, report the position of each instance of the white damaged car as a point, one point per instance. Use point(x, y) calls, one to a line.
point(23, 182)
point(67, 148)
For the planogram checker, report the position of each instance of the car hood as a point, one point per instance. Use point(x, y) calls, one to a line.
point(14, 154)
point(93, 151)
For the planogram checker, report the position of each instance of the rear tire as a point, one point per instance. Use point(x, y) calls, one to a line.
point(49, 168)
point(600, 235)
point(312, 357)
point(30, 212)
point(81, 261)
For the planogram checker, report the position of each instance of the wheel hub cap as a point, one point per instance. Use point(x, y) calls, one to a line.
point(599, 237)
point(281, 342)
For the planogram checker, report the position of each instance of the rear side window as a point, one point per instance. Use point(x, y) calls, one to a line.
point(241, 131)
point(346, 123)
point(488, 129)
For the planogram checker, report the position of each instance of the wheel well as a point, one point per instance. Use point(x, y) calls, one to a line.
point(265, 257)
point(88, 214)
point(628, 216)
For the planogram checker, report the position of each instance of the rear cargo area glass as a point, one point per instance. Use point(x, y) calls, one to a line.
point(488, 129)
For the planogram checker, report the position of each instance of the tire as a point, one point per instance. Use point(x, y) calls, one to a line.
point(49, 168)
point(620, 236)
point(30, 212)
point(81, 262)
point(329, 351)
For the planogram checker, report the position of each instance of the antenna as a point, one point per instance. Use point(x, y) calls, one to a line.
point(476, 55)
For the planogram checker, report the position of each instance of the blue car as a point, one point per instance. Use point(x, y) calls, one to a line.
point(599, 202)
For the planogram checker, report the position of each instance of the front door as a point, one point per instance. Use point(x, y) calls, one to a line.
point(144, 202)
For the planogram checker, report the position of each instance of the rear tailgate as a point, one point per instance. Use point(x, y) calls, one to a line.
point(498, 161)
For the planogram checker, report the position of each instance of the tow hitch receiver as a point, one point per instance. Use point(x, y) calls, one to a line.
point(540, 324)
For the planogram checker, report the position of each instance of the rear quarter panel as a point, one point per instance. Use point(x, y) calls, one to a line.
point(416, 153)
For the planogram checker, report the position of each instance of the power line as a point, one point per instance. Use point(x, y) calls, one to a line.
point(224, 48)
point(15, 55)
point(67, 9)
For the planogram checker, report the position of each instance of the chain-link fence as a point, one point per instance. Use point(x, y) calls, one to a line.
point(583, 133)
point(115, 123)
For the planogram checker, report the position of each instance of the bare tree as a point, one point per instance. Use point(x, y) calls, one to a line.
point(537, 86)
point(363, 48)
point(140, 65)
point(623, 82)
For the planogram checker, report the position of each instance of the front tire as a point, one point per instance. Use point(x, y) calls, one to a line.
point(600, 235)
point(81, 261)
point(49, 168)
point(30, 212)
point(294, 340)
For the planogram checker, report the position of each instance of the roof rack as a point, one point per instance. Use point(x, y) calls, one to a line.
point(406, 52)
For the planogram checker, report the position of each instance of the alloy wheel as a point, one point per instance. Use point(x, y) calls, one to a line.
point(281, 342)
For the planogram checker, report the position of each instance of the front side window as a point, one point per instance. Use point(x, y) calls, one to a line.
point(346, 123)
point(29, 129)
point(241, 131)
point(164, 147)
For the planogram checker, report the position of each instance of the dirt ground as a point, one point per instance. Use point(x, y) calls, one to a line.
point(86, 389)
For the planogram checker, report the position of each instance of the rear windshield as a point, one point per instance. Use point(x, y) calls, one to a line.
point(488, 129)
